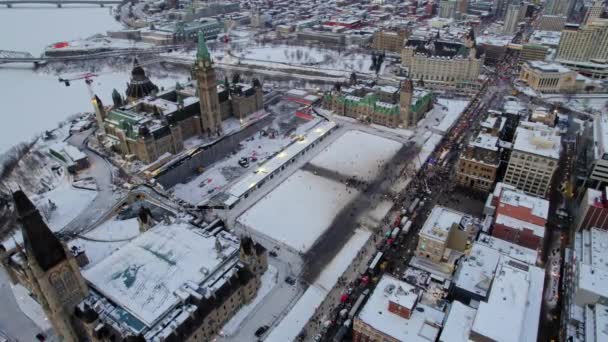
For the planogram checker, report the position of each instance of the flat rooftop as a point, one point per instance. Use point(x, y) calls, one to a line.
point(422, 326)
point(458, 323)
point(512, 311)
point(485, 141)
point(143, 276)
point(548, 67)
point(438, 224)
point(540, 143)
point(538, 206)
point(477, 270)
point(517, 252)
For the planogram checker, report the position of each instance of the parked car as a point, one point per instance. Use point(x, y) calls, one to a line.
point(261, 330)
point(290, 280)
point(243, 162)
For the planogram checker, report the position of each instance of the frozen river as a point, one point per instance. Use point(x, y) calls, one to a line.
point(33, 102)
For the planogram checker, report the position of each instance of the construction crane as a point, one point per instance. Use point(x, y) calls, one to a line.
point(88, 79)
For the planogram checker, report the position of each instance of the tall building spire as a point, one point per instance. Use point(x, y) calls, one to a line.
point(202, 51)
point(40, 243)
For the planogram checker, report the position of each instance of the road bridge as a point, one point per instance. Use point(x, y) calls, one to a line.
point(60, 3)
point(26, 57)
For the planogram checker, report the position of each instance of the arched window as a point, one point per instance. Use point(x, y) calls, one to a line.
point(57, 283)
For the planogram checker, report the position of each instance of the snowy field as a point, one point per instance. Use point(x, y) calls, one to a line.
point(357, 154)
point(222, 173)
point(309, 56)
point(269, 280)
point(69, 202)
point(107, 238)
point(304, 309)
point(299, 210)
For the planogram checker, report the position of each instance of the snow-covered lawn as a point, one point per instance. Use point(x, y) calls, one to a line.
point(110, 236)
point(357, 154)
point(310, 56)
point(299, 210)
point(269, 280)
point(69, 202)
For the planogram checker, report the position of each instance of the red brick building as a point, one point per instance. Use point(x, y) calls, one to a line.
point(521, 219)
point(593, 211)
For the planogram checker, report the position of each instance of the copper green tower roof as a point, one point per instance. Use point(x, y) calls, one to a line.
point(202, 51)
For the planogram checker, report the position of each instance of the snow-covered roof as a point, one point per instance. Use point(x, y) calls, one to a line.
point(422, 325)
point(518, 224)
point(512, 311)
point(357, 154)
point(143, 276)
point(517, 252)
point(290, 326)
point(485, 141)
point(539, 207)
point(491, 121)
point(477, 270)
point(242, 186)
point(593, 249)
point(600, 135)
point(593, 280)
point(458, 323)
point(437, 225)
point(548, 67)
point(549, 38)
point(537, 142)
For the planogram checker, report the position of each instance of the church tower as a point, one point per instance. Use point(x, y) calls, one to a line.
point(407, 116)
point(204, 74)
point(52, 272)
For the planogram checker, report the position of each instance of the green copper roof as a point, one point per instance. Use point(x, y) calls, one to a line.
point(202, 52)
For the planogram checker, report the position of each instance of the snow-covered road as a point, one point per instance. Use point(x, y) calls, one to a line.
point(13, 322)
point(101, 171)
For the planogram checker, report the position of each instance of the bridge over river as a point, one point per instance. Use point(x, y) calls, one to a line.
point(60, 3)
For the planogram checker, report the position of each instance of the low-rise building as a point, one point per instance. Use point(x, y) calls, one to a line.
point(544, 115)
point(534, 159)
point(521, 219)
point(511, 312)
point(478, 164)
point(394, 313)
point(458, 323)
point(585, 313)
point(476, 271)
point(444, 237)
point(592, 211)
point(548, 77)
